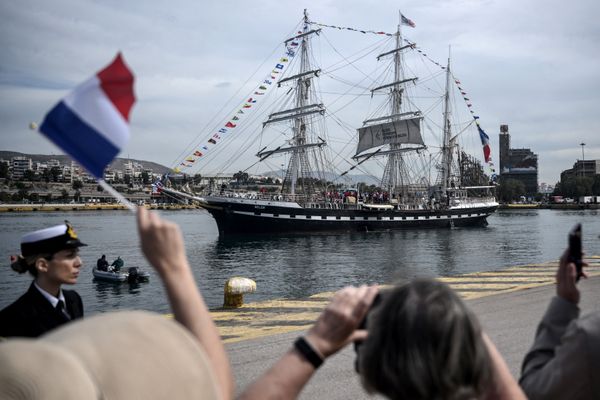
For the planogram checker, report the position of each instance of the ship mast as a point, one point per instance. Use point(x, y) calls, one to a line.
point(298, 154)
point(299, 164)
point(400, 129)
point(393, 175)
point(446, 148)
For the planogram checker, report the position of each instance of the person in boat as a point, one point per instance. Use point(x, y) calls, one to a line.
point(51, 256)
point(422, 343)
point(102, 264)
point(117, 264)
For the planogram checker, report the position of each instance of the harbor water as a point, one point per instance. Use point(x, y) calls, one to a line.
point(295, 266)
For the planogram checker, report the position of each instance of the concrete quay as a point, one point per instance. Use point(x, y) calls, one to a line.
point(509, 303)
point(48, 207)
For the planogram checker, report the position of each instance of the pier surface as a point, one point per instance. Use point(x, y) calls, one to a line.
point(280, 316)
point(509, 303)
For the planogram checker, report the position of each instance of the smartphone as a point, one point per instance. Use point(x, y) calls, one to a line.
point(575, 254)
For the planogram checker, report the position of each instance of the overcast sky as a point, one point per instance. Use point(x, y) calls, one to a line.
point(531, 64)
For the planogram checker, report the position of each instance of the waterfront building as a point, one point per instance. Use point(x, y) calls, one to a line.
point(39, 167)
point(20, 165)
point(581, 168)
point(109, 175)
point(518, 164)
point(545, 188)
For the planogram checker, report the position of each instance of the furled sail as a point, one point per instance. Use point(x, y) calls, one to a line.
point(394, 132)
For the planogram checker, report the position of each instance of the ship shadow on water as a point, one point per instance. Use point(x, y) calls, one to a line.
point(294, 266)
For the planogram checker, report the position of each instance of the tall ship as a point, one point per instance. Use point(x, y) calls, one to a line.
point(421, 184)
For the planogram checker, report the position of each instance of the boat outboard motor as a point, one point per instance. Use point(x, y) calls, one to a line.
point(132, 277)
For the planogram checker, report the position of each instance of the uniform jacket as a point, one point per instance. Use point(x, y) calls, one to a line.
point(564, 362)
point(32, 314)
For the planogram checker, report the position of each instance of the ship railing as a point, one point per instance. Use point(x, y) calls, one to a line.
point(260, 196)
point(319, 201)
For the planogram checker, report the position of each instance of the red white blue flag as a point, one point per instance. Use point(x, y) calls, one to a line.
point(91, 124)
point(407, 21)
point(485, 142)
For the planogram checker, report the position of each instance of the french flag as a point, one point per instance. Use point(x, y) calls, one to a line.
point(485, 142)
point(91, 124)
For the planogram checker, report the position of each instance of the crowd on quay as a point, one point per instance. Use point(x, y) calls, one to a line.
point(420, 340)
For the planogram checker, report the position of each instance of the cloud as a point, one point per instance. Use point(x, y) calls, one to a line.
point(532, 65)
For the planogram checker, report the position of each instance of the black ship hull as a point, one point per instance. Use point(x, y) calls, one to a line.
point(245, 217)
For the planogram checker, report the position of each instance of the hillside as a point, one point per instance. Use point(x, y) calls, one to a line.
point(118, 163)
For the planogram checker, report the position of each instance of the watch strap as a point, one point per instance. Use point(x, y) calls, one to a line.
point(308, 352)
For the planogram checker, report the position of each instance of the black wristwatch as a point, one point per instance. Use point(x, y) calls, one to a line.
point(308, 352)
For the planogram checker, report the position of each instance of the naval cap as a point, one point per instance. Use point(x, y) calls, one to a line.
point(50, 240)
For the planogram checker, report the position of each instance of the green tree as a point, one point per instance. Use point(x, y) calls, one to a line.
point(21, 194)
point(596, 186)
point(55, 172)
point(5, 197)
point(3, 170)
point(29, 175)
point(64, 195)
point(510, 190)
point(77, 185)
point(145, 178)
point(241, 177)
point(197, 179)
point(46, 175)
point(577, 186)
point(34, 197)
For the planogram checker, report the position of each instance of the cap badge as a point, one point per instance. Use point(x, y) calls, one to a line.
point(70, 231)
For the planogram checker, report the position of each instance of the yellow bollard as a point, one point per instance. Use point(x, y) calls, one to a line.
point(235, 288)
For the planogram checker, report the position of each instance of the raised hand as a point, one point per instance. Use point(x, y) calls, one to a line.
point(161, 242)
point(336, 326)
point(566, 279)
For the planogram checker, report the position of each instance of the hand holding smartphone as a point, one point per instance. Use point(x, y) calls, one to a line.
point(575, 252)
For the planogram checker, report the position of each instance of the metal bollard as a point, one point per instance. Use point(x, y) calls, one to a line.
point(235, 288)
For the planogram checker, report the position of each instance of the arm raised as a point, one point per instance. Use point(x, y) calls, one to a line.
point(334, 329)
point(162, 244)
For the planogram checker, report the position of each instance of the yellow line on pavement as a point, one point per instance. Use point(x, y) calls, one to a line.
point(271, 317)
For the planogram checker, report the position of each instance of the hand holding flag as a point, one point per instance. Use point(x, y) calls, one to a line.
point(91, 124)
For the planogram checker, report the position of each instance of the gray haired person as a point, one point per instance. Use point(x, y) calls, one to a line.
point(421, 342)
point(424, 343)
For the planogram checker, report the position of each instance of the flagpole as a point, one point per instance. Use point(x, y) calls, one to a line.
point(117, 195)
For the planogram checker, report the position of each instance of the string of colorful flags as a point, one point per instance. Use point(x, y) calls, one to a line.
point(405, 21)
point(414, 46)
point(485, 139)
point(246, 107)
